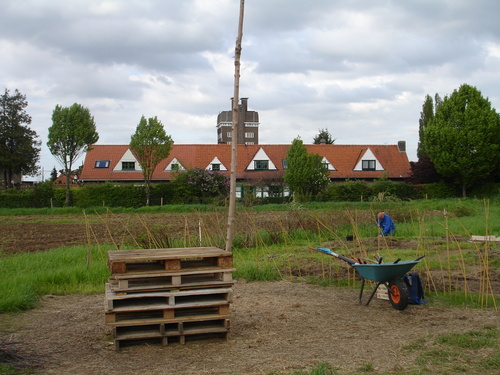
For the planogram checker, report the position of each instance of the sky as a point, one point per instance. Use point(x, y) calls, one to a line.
point(359, 68)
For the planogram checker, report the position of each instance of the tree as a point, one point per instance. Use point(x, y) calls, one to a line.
point(19, 145)
point(463, 138)
point(150, 144)
point(323, 136)
point(423, 171)
point(198, 185)
point(53, 175)
point(72, 133)
point(426, 116)
point(305, 173)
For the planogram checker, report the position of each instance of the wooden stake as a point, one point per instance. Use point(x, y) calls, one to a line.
point(234, 142)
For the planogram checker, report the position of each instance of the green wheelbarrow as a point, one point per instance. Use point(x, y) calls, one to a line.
point(388, 274)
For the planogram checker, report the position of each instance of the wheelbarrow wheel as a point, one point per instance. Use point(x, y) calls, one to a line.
point(398, 294)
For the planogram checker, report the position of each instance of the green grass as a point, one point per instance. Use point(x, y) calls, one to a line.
point(458, 352)
point(319, 369)
point(472, 352)
point(27, 276)
point(279, 250)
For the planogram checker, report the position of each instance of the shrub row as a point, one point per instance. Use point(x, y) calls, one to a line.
point(111, 195)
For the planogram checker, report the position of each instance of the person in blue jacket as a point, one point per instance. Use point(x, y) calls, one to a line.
point(386, 224)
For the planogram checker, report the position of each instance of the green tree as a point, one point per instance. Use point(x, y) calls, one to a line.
point(426, 116)
point(53, 175)
point(72, 133)
point(463, 138)
point(150, 145)
point(19, 145)
point(323, 136)
point(423, 171)
point(196, 185)
point(305, 172)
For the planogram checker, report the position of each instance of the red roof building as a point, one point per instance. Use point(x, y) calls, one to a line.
point(256, 163)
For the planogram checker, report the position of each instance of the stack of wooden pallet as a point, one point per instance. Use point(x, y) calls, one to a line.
point(169, 295)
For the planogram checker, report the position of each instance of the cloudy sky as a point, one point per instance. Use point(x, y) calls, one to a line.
point(359, 68)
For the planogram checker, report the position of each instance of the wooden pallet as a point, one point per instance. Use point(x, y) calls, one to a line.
point(194, 279)
point(116, 318)
point(179, 331)
point(164, 300)
point(169, 295)
point(170, 260)
point(127, 318)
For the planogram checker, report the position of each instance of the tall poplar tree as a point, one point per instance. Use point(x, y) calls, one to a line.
point(463, 138)
point(426, 116)
point(150, 145)
point(72, 133)
point(19, 145)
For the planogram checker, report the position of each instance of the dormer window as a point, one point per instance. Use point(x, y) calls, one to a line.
point(102, 164)
point(261, 164)
point(368, 165)
point(128, 166)
point(215, 167)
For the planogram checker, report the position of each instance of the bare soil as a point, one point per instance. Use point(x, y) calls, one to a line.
point(277, 327)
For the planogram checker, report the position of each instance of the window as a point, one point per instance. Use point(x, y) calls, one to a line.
point(249, 143)
point(102, 164)
point(174, 167)
point(283, 162)
point(229, 134)
point(128, 165)
point(249, 135)
point(261, 191)
point(261, 164)
point(368, 165)
point(215, 167)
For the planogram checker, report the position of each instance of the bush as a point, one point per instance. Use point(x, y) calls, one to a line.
point(199, 186)
point(438, 190)
point(109, 195)
point(485, 191)
point(350, 190)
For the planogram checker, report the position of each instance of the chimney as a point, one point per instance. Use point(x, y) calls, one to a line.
point(244, 105)
point(402, 146)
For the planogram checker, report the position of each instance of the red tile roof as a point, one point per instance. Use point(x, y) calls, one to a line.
point(344, 159)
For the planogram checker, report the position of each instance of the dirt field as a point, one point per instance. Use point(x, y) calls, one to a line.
point(276, 327)
point(279, 326)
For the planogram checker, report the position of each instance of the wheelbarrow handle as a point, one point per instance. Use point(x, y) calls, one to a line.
point(329, 252)
point(423, 256)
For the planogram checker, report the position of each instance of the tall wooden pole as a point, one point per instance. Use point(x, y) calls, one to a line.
point(234, 135)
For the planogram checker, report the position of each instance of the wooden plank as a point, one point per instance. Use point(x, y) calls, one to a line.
point(164, 300)
point(153, 286)
point(171, 253)
point(120, 268)
point(116, 318)
point(149, 318)
point(110, 295)
point(180, 273)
